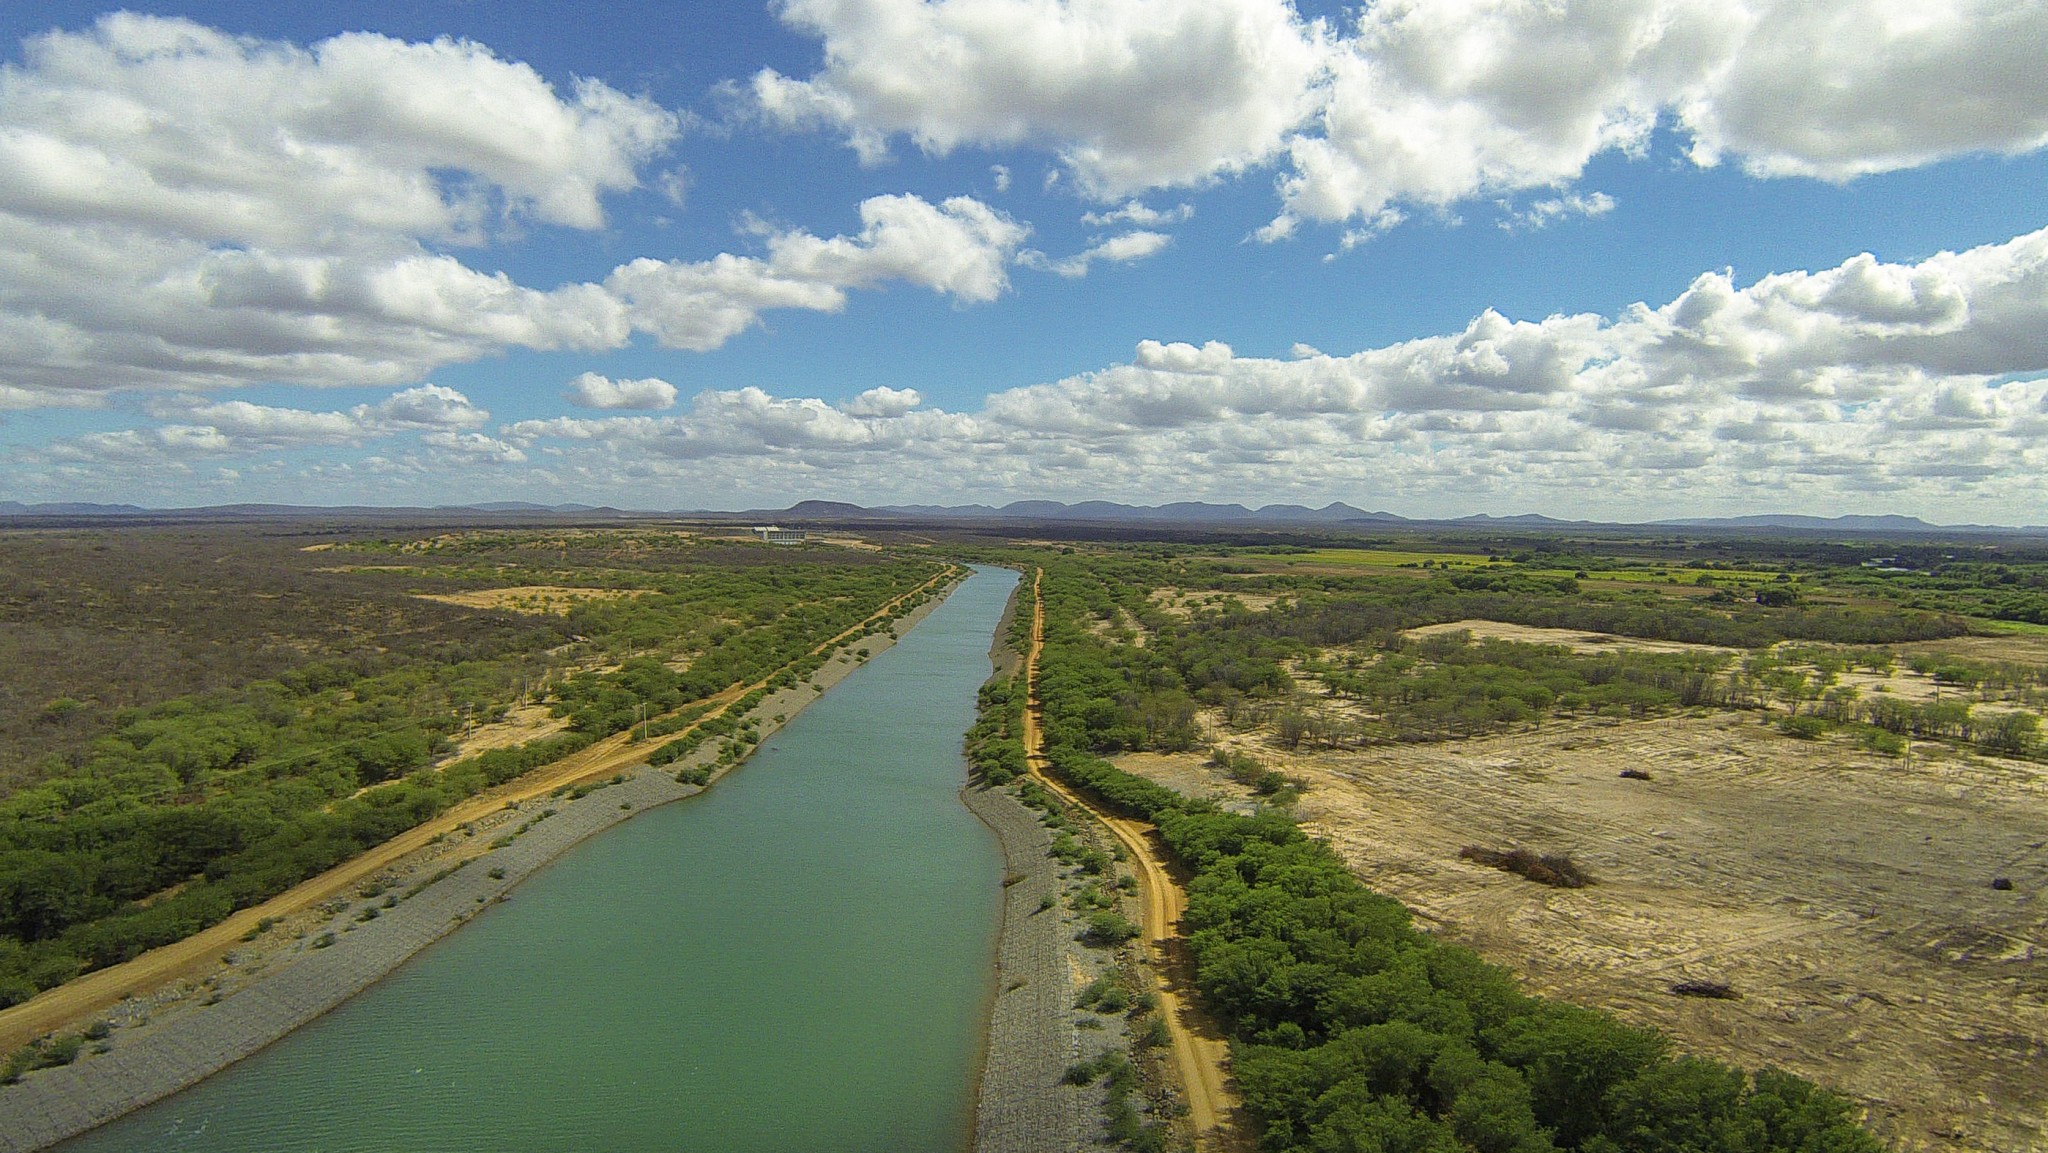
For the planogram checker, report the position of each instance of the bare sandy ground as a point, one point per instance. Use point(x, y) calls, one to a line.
point(1182, 602)
point(1578, 640)
point(536, 600)
point(1846, 896)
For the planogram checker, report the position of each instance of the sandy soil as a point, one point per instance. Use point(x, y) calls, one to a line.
point(535, 600)
point(849, 542)
point(1847, 897)
point(2020, 648)
point(522, 724)
point(1574, 639)
point(1182, 602)
point(1191, 775)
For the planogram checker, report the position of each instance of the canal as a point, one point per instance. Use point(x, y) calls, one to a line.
point(796, 960)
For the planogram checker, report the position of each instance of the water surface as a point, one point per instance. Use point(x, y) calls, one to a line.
point(798, 960)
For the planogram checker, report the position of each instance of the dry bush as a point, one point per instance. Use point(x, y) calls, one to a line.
point(1555, 869)
point(1716, 990)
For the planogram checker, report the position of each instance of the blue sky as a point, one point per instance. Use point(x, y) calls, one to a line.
point(1583, 259)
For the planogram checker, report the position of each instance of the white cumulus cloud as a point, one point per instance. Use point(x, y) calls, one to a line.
point(1131, 94)
point(960, 248)
point(184, 210)
point(591, 390)
point(1122, 248)
point(1418, 103)
point(1863, 386)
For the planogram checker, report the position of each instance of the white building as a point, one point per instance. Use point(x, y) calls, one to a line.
point(774, 535)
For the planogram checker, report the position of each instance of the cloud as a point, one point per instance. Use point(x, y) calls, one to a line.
point(184, 210)
point(1131, 94)
point(1857, 386)
point(218, 428)
point(1421, 104)
point(473, 448)
point(748, 423)
point(1548, 211)
point(428, 406)
point(960, 248)
point(1120, 249)
point(883, 401)
point(1134, 212)
point(593, 391)
point(178, 129)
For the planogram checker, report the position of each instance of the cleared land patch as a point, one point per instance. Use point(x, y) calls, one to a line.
point(539, 600)
point(1846, 898)
point(1577, 640)
point(1182, 603)
point(1640, 572)
point(521, 724)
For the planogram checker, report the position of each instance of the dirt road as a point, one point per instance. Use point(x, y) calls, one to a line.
point(1200, 1054)
point(95, 991)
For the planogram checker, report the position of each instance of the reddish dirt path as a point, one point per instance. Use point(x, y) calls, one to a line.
point(56, 1008)
point(1200, 1054)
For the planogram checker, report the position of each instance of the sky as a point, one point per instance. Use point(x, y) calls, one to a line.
point(1620, 260)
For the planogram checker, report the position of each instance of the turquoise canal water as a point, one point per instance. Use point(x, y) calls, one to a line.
point(797, 961)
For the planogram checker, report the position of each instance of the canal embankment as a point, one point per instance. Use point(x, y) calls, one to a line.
point(1025, 1101)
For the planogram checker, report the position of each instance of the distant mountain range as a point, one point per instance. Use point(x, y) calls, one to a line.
point(1185, 513)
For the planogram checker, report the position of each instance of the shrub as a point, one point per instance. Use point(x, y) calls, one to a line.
point(1714, 990)
point(1104, 995)
point(1803, 728)
point(1107, 929)
point(61, 1051)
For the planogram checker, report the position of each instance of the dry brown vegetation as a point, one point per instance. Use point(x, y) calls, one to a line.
point(1842, 899)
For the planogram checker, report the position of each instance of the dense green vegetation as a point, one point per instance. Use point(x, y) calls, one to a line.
point(180, 811)
point(1445, 685)
point(1144, 672)
point(1352, 1030)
